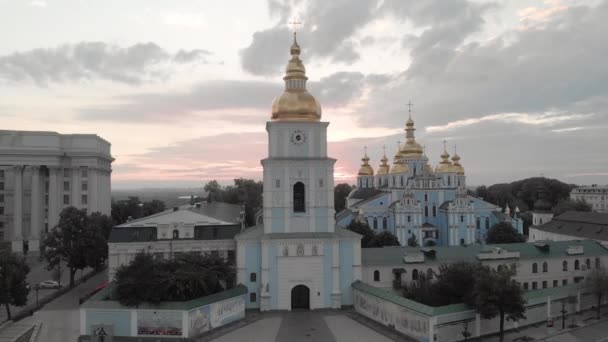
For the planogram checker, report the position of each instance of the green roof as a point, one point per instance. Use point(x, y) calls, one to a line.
point(100, 301)
point(448, 254)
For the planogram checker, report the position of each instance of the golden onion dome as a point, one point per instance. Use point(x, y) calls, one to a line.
point(295, 103)
point(445, 166)
point(410, 149)
point(400, 168)
point(384, 168)
point(457, 166)
point(365, 169)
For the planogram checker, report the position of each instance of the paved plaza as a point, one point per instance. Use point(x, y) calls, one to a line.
point(299, 326)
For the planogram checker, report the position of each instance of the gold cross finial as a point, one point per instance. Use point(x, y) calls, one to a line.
point(445, 145)
point(384, 149)
point(365, 149)
point(455, 149)
point(295, 24)
point(409, 108)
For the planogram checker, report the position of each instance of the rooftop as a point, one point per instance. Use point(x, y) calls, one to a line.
point(444, 254)
point(214, 213)
point(585, 225)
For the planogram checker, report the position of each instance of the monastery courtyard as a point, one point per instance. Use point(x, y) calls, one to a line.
point(297, 326)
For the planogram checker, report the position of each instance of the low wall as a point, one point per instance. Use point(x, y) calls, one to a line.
point(169, 319)
point(447, 323)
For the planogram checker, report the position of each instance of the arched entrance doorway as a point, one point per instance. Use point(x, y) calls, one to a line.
point(300, 297)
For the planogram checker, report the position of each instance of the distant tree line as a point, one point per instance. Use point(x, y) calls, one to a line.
point(133, 208)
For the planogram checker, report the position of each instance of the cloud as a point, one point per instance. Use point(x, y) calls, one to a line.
point(38, 3)
point(94, 60)
point(326, 34)
point(235, 98)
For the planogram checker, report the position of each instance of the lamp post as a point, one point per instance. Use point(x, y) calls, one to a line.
point(564, 312)
point(465, 333)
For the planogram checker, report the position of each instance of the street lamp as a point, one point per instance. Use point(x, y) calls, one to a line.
point(564, 312)
point(465, 333)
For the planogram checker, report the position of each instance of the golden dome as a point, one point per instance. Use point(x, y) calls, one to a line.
point(365, 169)
point(399, 166)
point(410, 149)
point(445, 166)
point(384, 168)
point(457, 166)
point(296, 103)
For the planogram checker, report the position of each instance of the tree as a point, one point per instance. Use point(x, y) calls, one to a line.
point(496, 293)
point(413, 241)
point(341, 191)
point(13, 281)
point(74, 241)
point(186, 277)
point(568, 205)
point(597, 284)
point(363, 229)
point(383, 239)
point(214, 191)
point(102, 223)
point(504, 232)
point(152, 207)
point(123, 209)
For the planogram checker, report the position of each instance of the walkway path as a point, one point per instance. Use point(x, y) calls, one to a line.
point(299, 326)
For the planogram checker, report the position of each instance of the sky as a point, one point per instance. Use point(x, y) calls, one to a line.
point(183, 89)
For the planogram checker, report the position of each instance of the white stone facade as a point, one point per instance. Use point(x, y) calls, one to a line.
point(596, 196)
point(43, 172)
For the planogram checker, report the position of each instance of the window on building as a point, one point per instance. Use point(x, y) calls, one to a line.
point(1, 210)
point(175, 234)
point(46, 199)
point(429, 273)
point(534, 285)
point(588, 263)
point(544, 284)
point(434, 211)
point(321, 183)
point(401, 180)
point(1, 173)
point(534, 268)
point(375, 223)
point(1, 198)
point(85, 199)
point(66, 199)
point(253, 277)
point(461, 218)
point(462, 241)
point(84, 172)
point(415, 274)
point(384, 223)
point(299, 205)
point(565, 266)
point(555, 283)
point(366, 183)
point(1, 185)
point(597, 262)
point(487, 223)
point(426, 197)
point(409, 218)
point(564, 282)
point(426, 211)
point(252, 297)
point(300, 250)
point(577, 265)
point(545, 267)
point(478, 222)
point(526, 286)
point(85, 186)
point(66, 186)
point(376, 275)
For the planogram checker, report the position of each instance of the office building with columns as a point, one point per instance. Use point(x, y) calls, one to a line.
point(43, 172)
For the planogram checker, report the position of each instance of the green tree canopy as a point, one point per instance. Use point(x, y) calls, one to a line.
point(341, 191)
point(383, 239)
point(504, 232)
point(568, 205)
point(246, 192)
point(76, 240)
point(413, 241)
point(13, 280)
point(188, 276)
point(597, 283)
point(496, 293)
point(363, 229)
point(134, 208)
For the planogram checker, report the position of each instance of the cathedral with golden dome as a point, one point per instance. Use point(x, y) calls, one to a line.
point(418, 203)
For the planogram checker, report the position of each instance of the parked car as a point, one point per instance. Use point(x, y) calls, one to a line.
point(49, 284)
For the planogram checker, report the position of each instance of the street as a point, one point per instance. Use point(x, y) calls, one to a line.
point(60, 318)
point(37, 274)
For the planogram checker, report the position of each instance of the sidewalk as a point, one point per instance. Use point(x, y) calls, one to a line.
point(540, 331)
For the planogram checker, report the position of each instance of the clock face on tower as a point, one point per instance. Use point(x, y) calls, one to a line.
point(298, 137)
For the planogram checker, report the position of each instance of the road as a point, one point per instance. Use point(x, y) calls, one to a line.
point(597, 332)
point(60, 318)
point(38, 274)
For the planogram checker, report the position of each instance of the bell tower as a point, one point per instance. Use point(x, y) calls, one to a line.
point(298, 174)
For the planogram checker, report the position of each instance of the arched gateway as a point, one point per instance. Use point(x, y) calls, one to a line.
point(300, 297)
